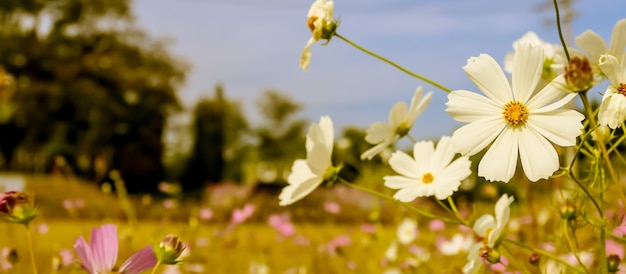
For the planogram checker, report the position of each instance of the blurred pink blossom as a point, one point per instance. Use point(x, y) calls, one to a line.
point(169, 203)
point(437, 225)
point(68, 204)
point(613, 247)
point(332, 207)
point(5, 252)
point(43, 228)
point(282, 224)
point(241, 215)
point(205, 214)
point(368, 228)
point(337, 243)
point(301, 240)
point(67, 257)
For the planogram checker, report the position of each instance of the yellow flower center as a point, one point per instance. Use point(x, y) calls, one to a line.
point(621, 89)
point(427, 178)
point(515, 113)
point(310, 24)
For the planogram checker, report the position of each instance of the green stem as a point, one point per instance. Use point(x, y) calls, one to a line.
point(155, 267)
point(405, 205)
point(544, 253)
point(394, 64)
point(558, 26)
point(456, 211)
point(31, 249)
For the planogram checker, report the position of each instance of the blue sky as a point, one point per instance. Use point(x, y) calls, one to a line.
point(250, 46)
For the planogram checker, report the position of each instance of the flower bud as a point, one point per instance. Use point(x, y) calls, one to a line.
point(578, 74)
point(17, 207)
point(568, 211)
point(612, 262)
point(169, 249)
point(491, 255)
point(534, 259)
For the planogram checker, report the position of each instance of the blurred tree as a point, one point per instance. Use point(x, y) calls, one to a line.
point(220, 132)
point(89, 85)
point(281, 138)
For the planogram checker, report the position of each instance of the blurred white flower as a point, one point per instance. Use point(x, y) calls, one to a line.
point(322, 26)
point(307, 174)
point(512, 118)
point(456, 245)
point(613, 107)
point(407, 231)
point(400, 122)
point(594, 45)
point(429, 173)
point(391, 254)
point(489, 228)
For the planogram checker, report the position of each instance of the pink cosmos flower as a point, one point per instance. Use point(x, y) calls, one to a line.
point(332, 207)
point(282, 224)
point(101, 255)
point(241, 215)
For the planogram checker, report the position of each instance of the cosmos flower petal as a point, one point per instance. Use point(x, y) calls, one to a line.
point(554, 91)
point(404, 164)
point(474, 137)
point(295, 192)
point(503, 210)
point(612, 110)
point(466, 106)
point(300, 172)
point(398, 113)
point(559, 126)
point(618, 37)
point(418, 104)
point(474, 263)
point(319, 159)
point(445, 188)
point(411, 193)
point(611, 67)
point(142, 260)
point(483, 224)
point(397, 182)
point(375, 150)
point(443, 155)
point(83, 250)
point(458, 170)
point(485, 72)
point(538, 156)
point(328, 132)
point(500, 161)
point(305, 57)
point(104, 247)
point(591, 43)
point(379, 132)
point(423, 152)
point(527, 68)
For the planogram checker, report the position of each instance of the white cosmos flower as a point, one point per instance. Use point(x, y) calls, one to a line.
point(595, 46)
point(400, 122)
point(431, 171)
point(613, 107)
point(554, 57)
point(307, 174)
point(407, 231)
point(513, 118)
point(322, 26)
point(489, 228)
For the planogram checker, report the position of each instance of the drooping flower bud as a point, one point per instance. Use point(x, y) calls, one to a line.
point(612, 262)
point(17, 207)
point(169, 249)
point(534, 259)
point(568, 211)
point(579, 75)
point(492, 255)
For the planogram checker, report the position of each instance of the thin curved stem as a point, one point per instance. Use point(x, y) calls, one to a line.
point(544, 253)
point(31, 249)
point(558, 26)
point(156, 266)
point(393, 64)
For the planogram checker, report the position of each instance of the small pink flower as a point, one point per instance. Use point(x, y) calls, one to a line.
point(67, 257)
point(241, 215)
point(43, 228)
point(337, 243)
point(101, 255)
point(620, 230)
point(332, 207)
point(613, 247)
point(169, 203)
point(205, 214)
point(437, 225)
point(282, 224)
point(68, 204)
point(368, 228)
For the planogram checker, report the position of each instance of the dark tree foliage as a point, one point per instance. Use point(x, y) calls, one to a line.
point(89, 86)
point(217, 153)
